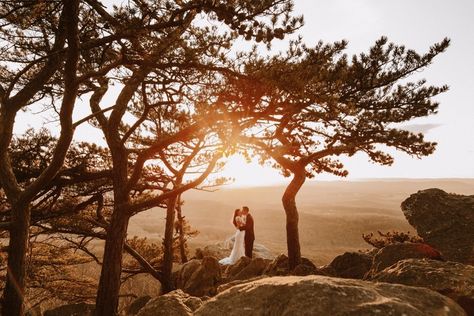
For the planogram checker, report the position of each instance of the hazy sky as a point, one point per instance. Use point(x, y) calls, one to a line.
point(416, 24)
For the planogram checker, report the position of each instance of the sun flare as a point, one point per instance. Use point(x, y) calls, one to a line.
point(250, 174)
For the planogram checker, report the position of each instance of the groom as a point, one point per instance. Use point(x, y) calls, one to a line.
point(249, 233)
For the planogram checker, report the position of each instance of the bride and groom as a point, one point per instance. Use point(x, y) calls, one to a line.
point(243, 238)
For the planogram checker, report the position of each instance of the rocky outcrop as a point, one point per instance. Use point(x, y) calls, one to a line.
point(234, 269)
point(246, 268)
point(306, 268)
point(351, 265)
point(452, 279)
point(228, 285)
point(199, 277)
point(35, 311)
point(176, 303)
point(279, 266)
point(80, 309)
point(445, 221)
point(391, 254)
point(223, 249)
point(138, 304)
point(320, 295)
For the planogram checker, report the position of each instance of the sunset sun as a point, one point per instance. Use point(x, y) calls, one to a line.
point(250, 174)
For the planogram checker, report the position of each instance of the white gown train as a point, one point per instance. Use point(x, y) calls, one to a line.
point(238, 250)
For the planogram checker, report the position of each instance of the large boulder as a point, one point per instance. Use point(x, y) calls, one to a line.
point(279, 266)
point(199, 277)
point(246, 268)
point(239, 265)
point(79, 309)
point(452, 279)
point(351, 265)
point(228, 285)
point(391, 254)
point(445, 221)
point(320, 295)
point(306, 268)
point(138, 304)
point(35, 311)
point(176, 303)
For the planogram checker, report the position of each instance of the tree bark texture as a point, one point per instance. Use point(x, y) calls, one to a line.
point(182, 239)
point(289, 204)
point(13, 296)
point(109, 284)
point(14, 293)
point(167, 284)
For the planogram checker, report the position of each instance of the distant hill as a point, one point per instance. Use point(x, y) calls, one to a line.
point(333, 214)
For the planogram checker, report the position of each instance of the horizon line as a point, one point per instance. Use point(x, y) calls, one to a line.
point(372, 179)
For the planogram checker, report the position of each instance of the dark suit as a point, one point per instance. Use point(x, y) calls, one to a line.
point(249, 236)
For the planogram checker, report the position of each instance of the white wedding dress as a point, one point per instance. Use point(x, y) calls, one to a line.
point(238, 250)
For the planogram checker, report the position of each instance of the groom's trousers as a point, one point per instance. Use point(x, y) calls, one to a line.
point(248, 246)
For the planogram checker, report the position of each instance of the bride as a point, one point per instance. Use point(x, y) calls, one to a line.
point(238, 250)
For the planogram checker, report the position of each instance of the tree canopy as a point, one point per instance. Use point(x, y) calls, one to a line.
point(171, 95)
point(319, 104)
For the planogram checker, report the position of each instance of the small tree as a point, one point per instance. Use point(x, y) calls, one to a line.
point(54, 259)
point(321, 105)
point(69, 215)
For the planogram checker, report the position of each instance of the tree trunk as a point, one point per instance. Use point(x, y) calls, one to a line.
point(109, 284)
point(13, 296)
point(182, 240)
point(289, 204)
point(167, 284)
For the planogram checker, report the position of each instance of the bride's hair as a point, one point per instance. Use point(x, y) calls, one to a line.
point(236, 213)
